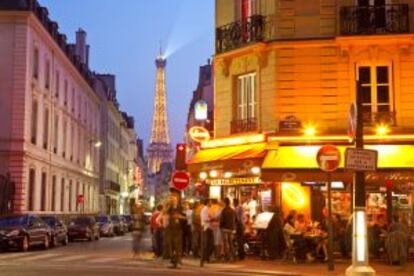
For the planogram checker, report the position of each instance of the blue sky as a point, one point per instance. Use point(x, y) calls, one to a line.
point(125, 36)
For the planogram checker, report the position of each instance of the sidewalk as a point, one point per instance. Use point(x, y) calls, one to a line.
point(278, 267)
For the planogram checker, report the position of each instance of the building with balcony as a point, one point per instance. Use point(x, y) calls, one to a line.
point(285, 75)
point(50, 114)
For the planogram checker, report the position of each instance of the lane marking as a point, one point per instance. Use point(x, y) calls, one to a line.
point(39, 257)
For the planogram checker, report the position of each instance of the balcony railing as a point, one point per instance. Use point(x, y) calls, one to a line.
point(240, 33)
point(241, 126)
point(368, 20)
point(371, 118)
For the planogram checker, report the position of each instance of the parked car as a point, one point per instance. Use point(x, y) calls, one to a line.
point(106, 227)
point(23, 231)
point(129, 222)
point(59, 231)
point(84, 227)
point(119, 225)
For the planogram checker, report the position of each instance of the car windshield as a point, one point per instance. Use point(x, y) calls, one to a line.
point(82, 221)
point(102, 219)
point(115, 218)
point(13, 221)
point(49, 220)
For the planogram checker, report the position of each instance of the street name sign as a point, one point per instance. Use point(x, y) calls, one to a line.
point(361, 159)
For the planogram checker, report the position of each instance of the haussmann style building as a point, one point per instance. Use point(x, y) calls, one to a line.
point(285, 75)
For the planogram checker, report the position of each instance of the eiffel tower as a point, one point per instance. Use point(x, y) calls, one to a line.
point(159, 150)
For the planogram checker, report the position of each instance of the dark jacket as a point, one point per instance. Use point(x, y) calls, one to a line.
point(228, 219)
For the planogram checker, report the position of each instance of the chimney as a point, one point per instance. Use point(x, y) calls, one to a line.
point(82, 49)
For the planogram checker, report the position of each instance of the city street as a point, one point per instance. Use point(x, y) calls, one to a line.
point(112, 256)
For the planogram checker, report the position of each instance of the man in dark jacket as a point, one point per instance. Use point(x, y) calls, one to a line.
point(228, 227)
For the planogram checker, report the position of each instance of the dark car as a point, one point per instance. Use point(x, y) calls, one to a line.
point(106, 227)
point(84, 227)
point(59, 231)
point(129, 222)
point(23, 231)
point(119, 225)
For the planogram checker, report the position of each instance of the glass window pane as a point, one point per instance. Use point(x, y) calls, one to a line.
point(366, 94)
point(384, 108)
point(364, 75)
point(383, 95)
point(382, 74)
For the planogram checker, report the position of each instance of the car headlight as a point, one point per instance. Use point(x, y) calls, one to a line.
point(13, 233)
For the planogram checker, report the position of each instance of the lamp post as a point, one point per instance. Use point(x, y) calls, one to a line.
point(360, 263)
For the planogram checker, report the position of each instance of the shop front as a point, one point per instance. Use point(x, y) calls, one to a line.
point(231, 168)
point(303, 185)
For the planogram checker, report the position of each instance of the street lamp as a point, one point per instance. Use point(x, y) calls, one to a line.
point(382, 130)
point(203, 175)
point(309, 131)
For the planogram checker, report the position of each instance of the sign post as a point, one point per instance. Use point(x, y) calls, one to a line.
point(329, 159)
point(360, 263)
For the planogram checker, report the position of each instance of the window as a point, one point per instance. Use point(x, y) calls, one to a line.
point(246, 97)
point(77, 194)
point(62, 195)
point(57, 83)
point(31, 190)
point(56, 134)
point(46, 129)
point(36, 63)
point(43, 192)
point(73, 100)
point(47, 74)
point(65, 134)
point(70, 196)
point(375, 86)
point(34, 122)
point(53, 197)
point(65, 93)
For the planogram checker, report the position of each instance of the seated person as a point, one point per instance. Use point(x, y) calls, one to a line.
point(379, 232)
point(290, 231)
point(300, 224)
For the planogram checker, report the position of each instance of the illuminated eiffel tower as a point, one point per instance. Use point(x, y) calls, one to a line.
point(159, 150)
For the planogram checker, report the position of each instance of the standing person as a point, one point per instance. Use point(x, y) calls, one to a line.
point(275, 239)
point(187, 236)
point(228, 227)
point(138, 229)
point(156, 231)
point(196, 229)
point(240, 221)
point(163, 221)
point(215, 214)
point(174, 232)
point(206, 236)
point(252, 206)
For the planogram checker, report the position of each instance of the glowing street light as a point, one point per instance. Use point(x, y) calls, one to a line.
point(382, 130)
point(203, 175)
point(228, 175)
point(256, 170)
point(309, 131)
point(213, 174)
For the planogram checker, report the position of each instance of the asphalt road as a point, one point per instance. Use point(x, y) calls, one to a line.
point(109, 256)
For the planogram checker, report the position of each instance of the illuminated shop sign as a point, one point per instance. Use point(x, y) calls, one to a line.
point(234, 141)
point(199, 134)
point(233, 181)
point(200, 110)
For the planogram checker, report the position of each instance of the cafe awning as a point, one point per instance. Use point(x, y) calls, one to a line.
point(227, 156)
point(298, 163)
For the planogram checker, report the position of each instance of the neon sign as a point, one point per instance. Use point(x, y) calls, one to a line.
point(199, 134)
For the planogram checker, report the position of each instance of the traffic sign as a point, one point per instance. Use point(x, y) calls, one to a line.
point(328, 158)
point(80, 199)
point(352, 121)
point(361, 159)
point(180, 180)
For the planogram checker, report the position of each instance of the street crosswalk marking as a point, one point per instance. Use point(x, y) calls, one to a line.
point(9, 256)
point(39, 257)
point(70, 258)
point(102, 260)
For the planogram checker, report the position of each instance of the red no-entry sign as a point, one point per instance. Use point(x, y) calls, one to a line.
point(328, 158)
point(180, 180)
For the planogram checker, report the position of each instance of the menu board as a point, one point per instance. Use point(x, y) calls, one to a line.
point(262, 220)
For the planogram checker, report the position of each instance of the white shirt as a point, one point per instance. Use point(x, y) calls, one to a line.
point(205, 220)
point(252, 206)
point(189, 215)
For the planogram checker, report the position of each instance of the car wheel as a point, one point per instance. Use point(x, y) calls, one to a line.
point(46, 243)
point(65, 240)
point(25, 244)
point(55, 241)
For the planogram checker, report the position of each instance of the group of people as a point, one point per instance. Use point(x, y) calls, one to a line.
point(215, 230)
point(210, 230)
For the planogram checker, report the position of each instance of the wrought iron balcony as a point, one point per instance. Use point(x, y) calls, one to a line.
point(240, 33)
point(368, 20)
point(246, 125)
point(371, 118)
